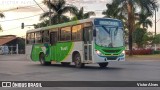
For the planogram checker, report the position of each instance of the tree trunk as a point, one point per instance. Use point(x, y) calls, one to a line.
point(131, 22)
point(59, 19)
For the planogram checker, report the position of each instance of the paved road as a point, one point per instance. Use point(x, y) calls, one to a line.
point(17, 68)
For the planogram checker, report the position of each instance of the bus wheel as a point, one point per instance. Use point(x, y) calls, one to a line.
point(65, 63)
point(103, 65)
point(77, 61)
point(42, 60)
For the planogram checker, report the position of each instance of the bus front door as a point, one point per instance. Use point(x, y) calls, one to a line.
point(53, 42)
point(87, 37)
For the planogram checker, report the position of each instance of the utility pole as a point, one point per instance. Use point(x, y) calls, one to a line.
point(49, 12)
point(155, 23)
point(155, 28)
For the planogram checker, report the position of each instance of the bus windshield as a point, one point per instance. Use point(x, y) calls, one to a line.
point(109, 36)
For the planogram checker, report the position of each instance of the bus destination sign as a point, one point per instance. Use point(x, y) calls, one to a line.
point(107, 22)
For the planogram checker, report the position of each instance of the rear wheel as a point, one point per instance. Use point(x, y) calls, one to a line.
point(42, 60)
point(77, 61)
point(103, 65)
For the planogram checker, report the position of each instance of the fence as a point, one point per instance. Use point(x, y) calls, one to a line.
point(9, 49)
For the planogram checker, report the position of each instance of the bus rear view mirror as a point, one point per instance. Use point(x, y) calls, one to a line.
point(94, 32)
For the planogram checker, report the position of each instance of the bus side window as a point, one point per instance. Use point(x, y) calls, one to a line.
point(32, 38)
point(77, 32)
point(45, 36)
point(28, 38)
point(53, 38)
point(65, 34)
point(87, 35)
point(37, 37)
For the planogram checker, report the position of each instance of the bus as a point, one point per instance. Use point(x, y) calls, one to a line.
point(88, 41)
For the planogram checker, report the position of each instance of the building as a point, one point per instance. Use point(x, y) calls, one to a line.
point(13, 42)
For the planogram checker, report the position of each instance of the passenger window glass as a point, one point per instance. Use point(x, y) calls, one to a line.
point(37, 37)
point(45, 36)
point(77, 32)
point(65, 34)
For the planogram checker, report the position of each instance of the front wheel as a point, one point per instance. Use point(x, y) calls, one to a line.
point(103, 65)
point(77, 61)
point(42, 60)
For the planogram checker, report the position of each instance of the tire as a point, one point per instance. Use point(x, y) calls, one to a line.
point(103, 65)
point(42, 60)
point(65, 63)
point(77, 61)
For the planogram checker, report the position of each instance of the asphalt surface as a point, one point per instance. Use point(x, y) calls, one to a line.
point(17, 68)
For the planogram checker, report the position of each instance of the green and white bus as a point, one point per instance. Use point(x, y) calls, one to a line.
point(94, 40)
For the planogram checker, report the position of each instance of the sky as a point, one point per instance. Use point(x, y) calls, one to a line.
point(27, 12)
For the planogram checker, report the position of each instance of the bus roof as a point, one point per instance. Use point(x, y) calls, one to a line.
point(67, 24)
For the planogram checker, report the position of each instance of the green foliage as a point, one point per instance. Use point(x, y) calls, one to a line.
point(143, 38)
point(42, 24)
point(157, 39)
point(128, 8)
point(79, 14)
point(156, 52)
point(1, 16)
point(1, 30)
point(138, 36)
point(58, 10)
point(144, 20)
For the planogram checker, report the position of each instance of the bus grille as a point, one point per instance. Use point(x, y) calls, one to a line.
point(112, 58)
point(112, 51)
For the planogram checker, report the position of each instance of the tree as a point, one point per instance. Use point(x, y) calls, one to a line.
point(157, 39)
point(148, 38)
point(78, 15)
point(144, 20)
point(138, 37)
point(42, 24)
point(113, 11)
point(1, 29)
point(58, 10)
point(1, 16)
point(129, 7)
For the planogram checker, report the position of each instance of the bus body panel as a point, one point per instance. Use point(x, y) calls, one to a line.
point(77, 47)
point(28, 52)
point(61, 52)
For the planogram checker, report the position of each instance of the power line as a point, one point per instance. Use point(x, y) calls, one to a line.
point(12, 9)
point(21, 18)
point(39, 5)
point(11, 29)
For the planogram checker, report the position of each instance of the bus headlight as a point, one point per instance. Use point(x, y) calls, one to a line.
point(98, 52)
point(123, 52)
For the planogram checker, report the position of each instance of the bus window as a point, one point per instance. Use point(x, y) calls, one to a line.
point(65, 34)
point(87, 24)
point(28, 38)
point(45, 36)
point(32, 38)
point(76, 32)
point(37, 37)
point(87, 35)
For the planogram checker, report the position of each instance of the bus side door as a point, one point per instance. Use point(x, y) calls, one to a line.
point(87, 38)
point(53, 42)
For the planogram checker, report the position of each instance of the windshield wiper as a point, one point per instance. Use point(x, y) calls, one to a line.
point(106, 29)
